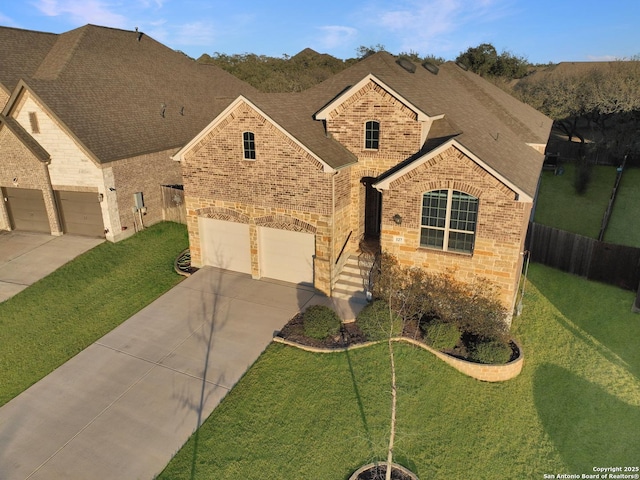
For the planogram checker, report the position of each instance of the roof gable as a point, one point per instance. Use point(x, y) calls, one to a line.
point(348, 93)
point(226, 115)
point(384, 181)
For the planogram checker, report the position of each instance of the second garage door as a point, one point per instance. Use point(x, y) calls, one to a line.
point(80, 213)
point(286, 255)
point(225, 244)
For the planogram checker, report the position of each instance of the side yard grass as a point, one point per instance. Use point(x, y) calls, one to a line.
point(623, 229)
point(57, 317)
point(560, 207)
point(576, 404)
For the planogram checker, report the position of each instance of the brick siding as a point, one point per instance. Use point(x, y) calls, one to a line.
point(21, 169)
point(500, 229)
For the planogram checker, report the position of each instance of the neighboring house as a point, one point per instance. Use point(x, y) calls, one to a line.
point(89, 121)
point(436, 164)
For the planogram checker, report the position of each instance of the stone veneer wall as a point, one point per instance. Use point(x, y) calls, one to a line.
point(400, 137)
point(499, 235)
point(284, 186)
point(21, 169)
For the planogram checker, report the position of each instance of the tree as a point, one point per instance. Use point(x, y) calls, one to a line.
point(605, 97)
point(411, 294)
point(485, 61)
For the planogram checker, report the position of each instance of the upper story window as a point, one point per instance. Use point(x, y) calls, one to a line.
point(249, 145)
point(372, 135)
point(449, 220)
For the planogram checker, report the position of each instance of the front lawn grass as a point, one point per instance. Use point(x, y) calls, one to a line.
point(623, 227)
point(57, 317)
point(576, 404)
point(559, 205)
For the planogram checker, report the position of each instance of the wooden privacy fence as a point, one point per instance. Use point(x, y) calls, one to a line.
point(173, 208)
point(617, 265)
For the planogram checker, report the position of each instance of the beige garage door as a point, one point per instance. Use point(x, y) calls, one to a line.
point(26, 209)
point(80, 213)
point(286, 255)
point(225, 244)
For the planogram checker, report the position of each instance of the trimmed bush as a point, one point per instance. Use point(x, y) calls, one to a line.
point(441, 335)
point(492, 352)
point(320, 322)
point(375, 323)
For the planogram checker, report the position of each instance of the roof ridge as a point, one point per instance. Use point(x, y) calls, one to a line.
point(60, 54)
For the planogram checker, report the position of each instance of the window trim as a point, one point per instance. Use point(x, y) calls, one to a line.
point(369, 141)
point(248, 146)
point(447, 229)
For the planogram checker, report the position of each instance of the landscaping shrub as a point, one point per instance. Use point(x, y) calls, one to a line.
point(320, 322)
point(441, 335)
point(375, 323)
point(491, 351)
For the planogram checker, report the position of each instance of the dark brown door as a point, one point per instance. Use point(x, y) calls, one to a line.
point(372, 209)
point(80, 213)
point(26, 209)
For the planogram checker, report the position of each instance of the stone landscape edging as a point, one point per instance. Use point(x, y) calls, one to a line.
point(479, 371)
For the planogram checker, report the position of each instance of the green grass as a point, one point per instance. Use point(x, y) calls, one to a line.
point(576, 404)
point(560, 207)
point(623, 228)
point(57, 317)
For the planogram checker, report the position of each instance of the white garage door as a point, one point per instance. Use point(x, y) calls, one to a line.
point(286, 255)
point(225, 244)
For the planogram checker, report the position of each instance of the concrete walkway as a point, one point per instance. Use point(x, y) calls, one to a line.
point(123, 407)
point(27, 257)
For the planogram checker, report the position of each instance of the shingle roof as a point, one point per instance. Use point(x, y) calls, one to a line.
point(121, 93)
point(484, 119)
point(21, 52)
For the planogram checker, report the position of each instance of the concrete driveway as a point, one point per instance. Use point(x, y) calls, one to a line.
point(27, 257)
point(123, 407)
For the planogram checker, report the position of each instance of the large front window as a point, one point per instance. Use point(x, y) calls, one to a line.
point(449, 220)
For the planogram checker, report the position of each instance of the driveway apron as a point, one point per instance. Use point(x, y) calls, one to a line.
point(124, 406)
point(26, 257)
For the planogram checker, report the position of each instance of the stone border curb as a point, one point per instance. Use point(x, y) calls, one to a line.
point(395, 466)
point(479, 371)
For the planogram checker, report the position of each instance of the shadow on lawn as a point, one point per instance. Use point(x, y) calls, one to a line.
point(599, 315)
point(588, 425)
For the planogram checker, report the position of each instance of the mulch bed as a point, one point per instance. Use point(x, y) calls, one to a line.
point(350, 334)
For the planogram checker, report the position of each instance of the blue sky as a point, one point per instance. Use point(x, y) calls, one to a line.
point(540, 30)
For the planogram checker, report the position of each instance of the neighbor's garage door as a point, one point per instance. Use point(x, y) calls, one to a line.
point(80, 213)
point(26, 209)
point(225, 244)
point(286, 255)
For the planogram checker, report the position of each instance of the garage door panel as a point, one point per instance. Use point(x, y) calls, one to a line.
point(80, 213)
point(27, 210)
point(287, 255)
point(225, 244)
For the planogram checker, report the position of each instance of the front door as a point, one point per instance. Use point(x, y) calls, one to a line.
point(372, 209)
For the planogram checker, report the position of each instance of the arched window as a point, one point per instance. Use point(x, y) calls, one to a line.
point(249, 145)
point(372, 135)
point(449, 219)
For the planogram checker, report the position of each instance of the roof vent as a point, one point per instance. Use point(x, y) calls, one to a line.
point(408, 65)
point(462, 66)
point(431, 67)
